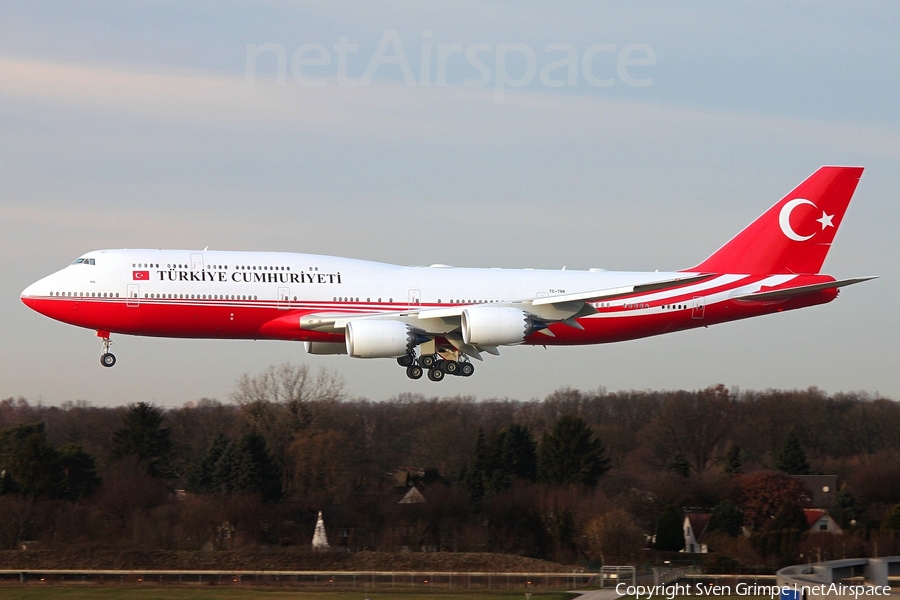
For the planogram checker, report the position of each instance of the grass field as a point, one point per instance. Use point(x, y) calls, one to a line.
point(91, 592)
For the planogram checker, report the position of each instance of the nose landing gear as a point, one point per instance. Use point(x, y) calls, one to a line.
point(107, 358)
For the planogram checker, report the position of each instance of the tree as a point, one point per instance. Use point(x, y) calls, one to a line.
point(695, 425)
point(765, 494)
point(322, 463)
point(571, 454)
point(509, 454)
point(848, 508)
point(734, 460)
point(12, 440)
point(614, 538)
point(35, 467)
point(79, 474)
point(227, 468)
point(284, 400)
point(257, 470)
point(790, 517)
point(792, 459)
point(670, 530)
point(32, 466)
point(679, 464)
point(143, 436)
point(727, 517)
point(891, 519)
point(518, 453)
point(474, 473)
point(213, 473)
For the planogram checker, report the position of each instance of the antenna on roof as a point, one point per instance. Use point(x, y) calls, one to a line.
point(205, 249)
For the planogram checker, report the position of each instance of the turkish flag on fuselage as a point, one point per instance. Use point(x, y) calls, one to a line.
point(140, 275)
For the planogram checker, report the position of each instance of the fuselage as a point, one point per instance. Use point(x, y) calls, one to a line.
point(262, 295)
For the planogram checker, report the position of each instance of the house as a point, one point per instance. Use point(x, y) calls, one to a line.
point(413, 496)
point(819, 521)
point(695, 526)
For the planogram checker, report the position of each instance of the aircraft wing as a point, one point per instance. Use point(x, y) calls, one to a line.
point(793, 292)
point(549, 309)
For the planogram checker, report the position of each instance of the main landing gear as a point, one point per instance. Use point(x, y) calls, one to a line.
point(436, 366)
point(107, 358)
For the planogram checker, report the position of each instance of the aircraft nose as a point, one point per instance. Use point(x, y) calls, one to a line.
point(28, 295)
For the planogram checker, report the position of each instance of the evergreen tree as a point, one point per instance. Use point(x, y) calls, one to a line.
point(848, 507)
point(248, 466)
point(79, 474)
point(679, 464)
point(790, 517)
point(12, 440)
point(473, 477)
point(256, 469)
point(792, 459)
point(670, 530)
point(518, 453)
point(35, 467)
point(726, 517)
point(208, 475)
point(734, 460)
point(142, 435)
point(891, 519)
point(30, 465)
point(571, 454)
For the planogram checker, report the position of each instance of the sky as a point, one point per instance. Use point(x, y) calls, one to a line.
point(624, 136)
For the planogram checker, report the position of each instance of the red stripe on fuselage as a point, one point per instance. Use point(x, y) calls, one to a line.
point(269, 319)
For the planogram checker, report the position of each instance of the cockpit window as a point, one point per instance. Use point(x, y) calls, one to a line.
point(84, 261)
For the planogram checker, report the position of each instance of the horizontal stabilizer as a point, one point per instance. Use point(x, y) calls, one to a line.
point(793, 292)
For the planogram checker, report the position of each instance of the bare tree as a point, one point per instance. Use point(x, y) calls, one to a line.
point(614, 538)
point(284, 400)
point(695, 425)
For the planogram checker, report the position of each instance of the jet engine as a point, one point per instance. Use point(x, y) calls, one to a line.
point(378, 339)
point(495, 325)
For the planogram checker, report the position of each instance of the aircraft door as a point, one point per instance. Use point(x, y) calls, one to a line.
point(698, 307)
point(415, 299)
point(284, 298)
point(197, 262)
point(132, 293)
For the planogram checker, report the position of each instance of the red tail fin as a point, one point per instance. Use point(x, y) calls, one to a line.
point(794, 235)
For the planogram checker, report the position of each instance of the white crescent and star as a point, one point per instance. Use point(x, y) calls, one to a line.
point(784, 219)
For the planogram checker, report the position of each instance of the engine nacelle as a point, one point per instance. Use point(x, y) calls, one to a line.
point(378, 339)
point(495, 325)
point(325, 348)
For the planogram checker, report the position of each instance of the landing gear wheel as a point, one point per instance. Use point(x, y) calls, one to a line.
point(414, 372)
point(107, 359)
point(466, 369)
point(435, 374)
point(450, 367)
point(427, 361)
point(406, 360)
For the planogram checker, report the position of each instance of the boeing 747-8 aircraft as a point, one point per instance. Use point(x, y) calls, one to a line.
point(436, 319)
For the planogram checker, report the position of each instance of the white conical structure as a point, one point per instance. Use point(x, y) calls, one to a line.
point(320, 540)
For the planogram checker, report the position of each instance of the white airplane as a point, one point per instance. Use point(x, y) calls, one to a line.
point(436, 319)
